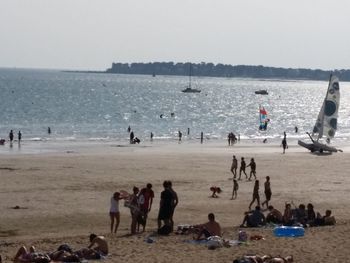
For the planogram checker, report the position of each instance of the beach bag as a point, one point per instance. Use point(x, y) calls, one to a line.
point(164, 230)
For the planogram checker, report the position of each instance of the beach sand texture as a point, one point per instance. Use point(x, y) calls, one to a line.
point(64, 196)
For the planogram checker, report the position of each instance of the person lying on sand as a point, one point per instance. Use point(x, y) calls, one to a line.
point(263, 259)
point(25, 256)
point(211, 228)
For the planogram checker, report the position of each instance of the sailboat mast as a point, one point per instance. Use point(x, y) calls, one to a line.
point(190, 75)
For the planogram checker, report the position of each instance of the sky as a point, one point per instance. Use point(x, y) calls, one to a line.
point(91, 34)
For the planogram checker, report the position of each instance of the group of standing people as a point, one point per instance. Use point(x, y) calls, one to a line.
point(243, 167)
point(140, 204)
point(232, 139)
point(19, 136)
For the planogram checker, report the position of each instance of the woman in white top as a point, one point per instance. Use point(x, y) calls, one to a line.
point(114, 211)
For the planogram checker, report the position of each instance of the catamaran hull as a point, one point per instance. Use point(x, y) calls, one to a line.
point(317, 147)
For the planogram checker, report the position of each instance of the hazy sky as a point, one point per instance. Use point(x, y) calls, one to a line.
point(91, 34)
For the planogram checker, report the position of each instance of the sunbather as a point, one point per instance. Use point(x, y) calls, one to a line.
point(211, 228)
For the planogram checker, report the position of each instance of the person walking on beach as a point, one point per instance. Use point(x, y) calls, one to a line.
point(234, 166)
point(242, 169)
point(267, 191)
point(235, 189)
point(146, 199)
point(11, 136)
point(151, 136)
point(252, 165)
point(49, 130)
point(19, 137)
point(201, 137)
point(284, 142)
point(114, 213)
point(256, 196)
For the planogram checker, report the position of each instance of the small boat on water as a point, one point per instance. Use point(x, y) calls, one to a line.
point(262, 92)
point(189, 89)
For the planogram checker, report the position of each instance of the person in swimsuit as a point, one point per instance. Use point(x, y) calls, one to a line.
point(267, 191)
point(242, 169)
point(114, 213)
point(211, 228)
point(252, 165)
point(234, 166)
point(256, 196)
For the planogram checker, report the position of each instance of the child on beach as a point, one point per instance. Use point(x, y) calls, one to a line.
point(234, 166)
point(215, 190)
point(114, 211)
point(235, 189)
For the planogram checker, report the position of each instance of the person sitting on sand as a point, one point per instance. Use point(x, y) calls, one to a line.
point(274, 216)
point(327, 219)
point(215, 190)
point(310, 214)
point(98, 244)
point(23, 256)
point(253, 218)
point(299, 215)
point(288, 215)
point(211, 228)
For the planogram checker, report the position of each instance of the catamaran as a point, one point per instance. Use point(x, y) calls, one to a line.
point(326, 123)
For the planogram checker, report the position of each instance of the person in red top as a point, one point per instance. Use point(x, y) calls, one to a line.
point(146, 199)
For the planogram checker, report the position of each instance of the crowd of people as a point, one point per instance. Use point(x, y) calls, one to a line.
point(298, 216)
point(140, 204)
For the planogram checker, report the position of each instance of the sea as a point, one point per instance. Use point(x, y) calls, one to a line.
point(100, 107)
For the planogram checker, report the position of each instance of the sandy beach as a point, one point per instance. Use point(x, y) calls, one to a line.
point(64, 196)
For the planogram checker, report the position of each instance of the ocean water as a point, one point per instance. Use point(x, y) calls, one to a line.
point(82, 106)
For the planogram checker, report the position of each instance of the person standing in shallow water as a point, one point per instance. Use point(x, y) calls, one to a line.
point(11, 136)
point(201, 137)
point(284, 143)
point(19, 136)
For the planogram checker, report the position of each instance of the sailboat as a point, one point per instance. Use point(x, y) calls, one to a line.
point(326, 123)
point(189, 88)
point(263, 120)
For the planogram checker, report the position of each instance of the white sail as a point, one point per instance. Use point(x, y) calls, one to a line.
point(326, 123)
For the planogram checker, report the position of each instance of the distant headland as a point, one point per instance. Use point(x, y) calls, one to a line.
point(223, 70)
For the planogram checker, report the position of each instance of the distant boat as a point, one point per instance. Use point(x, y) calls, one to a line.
point(189, 88)
point(262, 92)
point(326, 123)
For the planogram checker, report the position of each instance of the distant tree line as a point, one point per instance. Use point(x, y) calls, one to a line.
point(224, 70)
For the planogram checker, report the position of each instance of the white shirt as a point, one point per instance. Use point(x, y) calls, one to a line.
point(114, 205)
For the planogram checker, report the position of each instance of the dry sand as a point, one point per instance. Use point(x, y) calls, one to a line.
point(65, 195)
